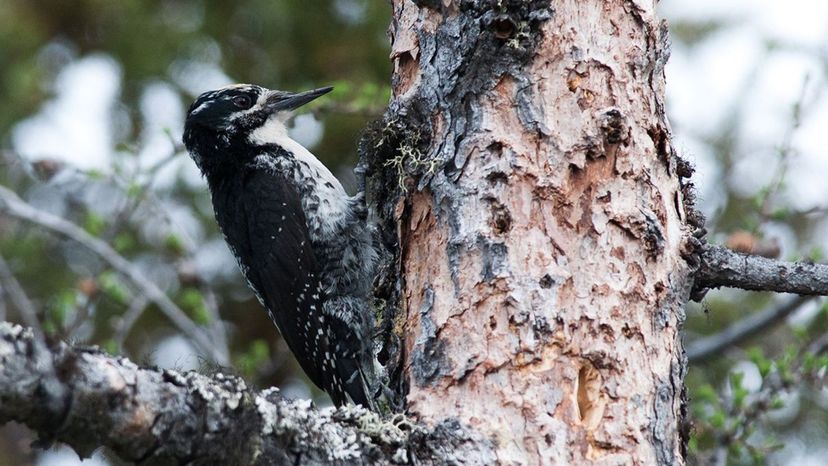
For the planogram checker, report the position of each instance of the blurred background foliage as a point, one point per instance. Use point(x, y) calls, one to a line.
point(94, 94)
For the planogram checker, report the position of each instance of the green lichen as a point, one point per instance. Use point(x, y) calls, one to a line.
point(407, 156)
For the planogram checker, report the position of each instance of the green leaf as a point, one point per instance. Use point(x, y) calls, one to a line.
point(706, 393)
point(809, 362)
point(134, 190)
point(758, 358)
point(174, 244)
point(94, 223)
point(110, 346)
point(341, 89)
point(777, 403)
point(799, 332)
point(736, 449)
point(48, 327)
point(256, 355)
point(736, 379)
point(113, 287)
point(693, 445)
point(739, 391)
point(62, 304)
point(192, 301)
point(780, 214)
point(123, 242)
point(717, 419)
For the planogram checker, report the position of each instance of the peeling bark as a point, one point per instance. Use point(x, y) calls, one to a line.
point(540, 215)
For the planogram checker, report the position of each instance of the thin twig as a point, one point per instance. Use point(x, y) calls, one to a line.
point(80, 317)
point(786, 151)
point(743, 329)
point(17, 295)
point(13, 206)
point(720, 456)
point(217, 328)
point(723, 267)
point(125, 323)
point(818, 346)
point(145, 197)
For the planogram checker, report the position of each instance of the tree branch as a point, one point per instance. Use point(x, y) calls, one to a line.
point(13, 206)
point(722, 267)
point(24, 306)
point(743, 329)
point(128, 319)
point(87, 399)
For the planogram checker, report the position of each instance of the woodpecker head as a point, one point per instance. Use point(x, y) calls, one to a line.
point(221, 124)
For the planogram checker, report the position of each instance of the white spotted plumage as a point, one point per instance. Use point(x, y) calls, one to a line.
point(328, 279)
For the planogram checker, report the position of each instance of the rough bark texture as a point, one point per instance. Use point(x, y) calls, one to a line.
point(722, 267)
point(541, 219)
point(88, 399)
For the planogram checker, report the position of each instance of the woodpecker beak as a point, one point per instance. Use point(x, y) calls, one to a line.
point(286, 101)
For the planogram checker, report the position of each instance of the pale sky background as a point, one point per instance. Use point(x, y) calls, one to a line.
point(735, 64)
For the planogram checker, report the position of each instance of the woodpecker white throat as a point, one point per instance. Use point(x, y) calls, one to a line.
point(305, 246)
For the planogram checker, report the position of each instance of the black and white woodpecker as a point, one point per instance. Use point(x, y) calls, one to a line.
point(304, 245)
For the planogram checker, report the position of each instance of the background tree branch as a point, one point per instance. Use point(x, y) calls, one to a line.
point(723, 267)
point(743, 329)
point(13, 206)
point(87, 399)
point(17, 295)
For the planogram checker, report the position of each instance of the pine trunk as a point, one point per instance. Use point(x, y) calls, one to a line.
point(540, 223)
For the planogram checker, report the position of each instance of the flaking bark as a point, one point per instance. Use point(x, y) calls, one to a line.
point(525, 170)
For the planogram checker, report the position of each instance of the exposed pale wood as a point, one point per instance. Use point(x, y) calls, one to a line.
point(542, 230)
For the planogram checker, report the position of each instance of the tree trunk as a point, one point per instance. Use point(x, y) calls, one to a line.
point(525, 167)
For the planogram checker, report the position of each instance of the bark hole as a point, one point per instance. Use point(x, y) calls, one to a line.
point(613, 126)
point(503, 27)
point(590, 407)
point(496, 149)
point(661, 142)
point(496, 177)
point(501, 219)
point(573, 81)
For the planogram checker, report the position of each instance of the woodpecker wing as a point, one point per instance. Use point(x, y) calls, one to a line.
point(284, 272)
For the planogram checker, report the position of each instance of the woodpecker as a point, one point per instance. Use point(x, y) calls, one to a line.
point(304, 245)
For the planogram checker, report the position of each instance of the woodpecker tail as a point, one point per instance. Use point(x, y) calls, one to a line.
point(353, 378)
point(358, 389)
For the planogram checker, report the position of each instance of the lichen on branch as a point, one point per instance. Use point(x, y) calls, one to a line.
point(87, 399)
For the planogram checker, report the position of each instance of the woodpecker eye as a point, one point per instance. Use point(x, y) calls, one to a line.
point(243, 101)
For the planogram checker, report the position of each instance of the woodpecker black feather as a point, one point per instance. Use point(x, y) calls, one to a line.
point(303, 244)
